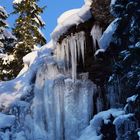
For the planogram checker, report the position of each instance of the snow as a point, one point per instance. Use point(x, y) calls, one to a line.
point(88, 2)
point(8, 35)
point(3, 11)
point(107, 36)
point(136, 46)
point(39, 20)
point(132, 98)
point(2, 55)
point(7, 58)
point(47, 101)
point(99, 51)
point(29, 58)
point(120, 119)
point(113, 2)
point(75, 17)
point(138, 133)
point(28, 61)
point(91, 132)
point(6, 120)
point(104, 116)
point(66, 15)
point(14, 89)
point(41, 33)
point(17, 1)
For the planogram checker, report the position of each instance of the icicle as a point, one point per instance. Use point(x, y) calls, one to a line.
point(58, 51)
point(67, 53)
point(75, 51)
point(62, 51)
point(63, 58)
point(73, 61)
point(82, 44)
point(73, 46)
point(78, 47)
point(96, 34)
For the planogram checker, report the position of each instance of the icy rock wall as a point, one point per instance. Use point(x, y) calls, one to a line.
point(62, 109)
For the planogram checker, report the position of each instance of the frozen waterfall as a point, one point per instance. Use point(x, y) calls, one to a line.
point(62, 108)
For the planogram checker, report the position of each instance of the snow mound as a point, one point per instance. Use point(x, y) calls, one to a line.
point(91, 132)
point(104, 116)
point(67, 15)
point(120, 119)
point(69, 19)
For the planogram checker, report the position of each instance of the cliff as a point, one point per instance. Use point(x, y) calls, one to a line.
point(84, 84)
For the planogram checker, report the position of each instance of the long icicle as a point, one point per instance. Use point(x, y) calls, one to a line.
point(73, 46)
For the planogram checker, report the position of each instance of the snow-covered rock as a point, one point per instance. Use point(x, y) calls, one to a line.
point(92, 131)
point(107, 36)
point(69, 19)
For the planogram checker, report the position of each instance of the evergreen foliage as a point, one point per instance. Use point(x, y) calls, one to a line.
point(126, 65)
point(27, 29)
point(7, 42)
point(127, 40)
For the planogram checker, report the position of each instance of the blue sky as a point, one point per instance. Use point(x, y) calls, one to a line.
point(54, 9)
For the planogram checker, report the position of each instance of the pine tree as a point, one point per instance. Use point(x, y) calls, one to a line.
point(7, 42)
point(127, 40)
point(27, 29)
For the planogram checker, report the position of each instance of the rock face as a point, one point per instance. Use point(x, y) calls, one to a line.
point(76, 86)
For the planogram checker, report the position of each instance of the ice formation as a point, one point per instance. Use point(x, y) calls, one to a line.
point(70, 50)
point(66, 106)
point(96, 34)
